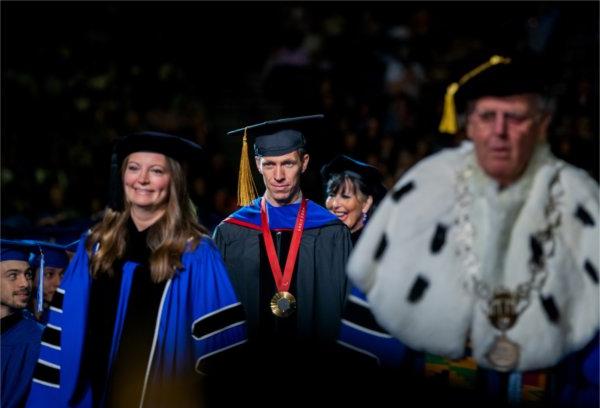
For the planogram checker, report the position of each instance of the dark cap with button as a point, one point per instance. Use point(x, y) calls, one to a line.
point(498, 76)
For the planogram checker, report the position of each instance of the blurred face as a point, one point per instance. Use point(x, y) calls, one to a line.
point(281, 175)
point(15, 288)
point(505, 132)
point(146, 180)
point(52, 279)
point(349, 205)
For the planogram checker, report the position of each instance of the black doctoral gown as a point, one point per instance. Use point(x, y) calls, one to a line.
point(319, 283)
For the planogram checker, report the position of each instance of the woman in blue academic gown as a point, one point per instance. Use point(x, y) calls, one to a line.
point(145, 308)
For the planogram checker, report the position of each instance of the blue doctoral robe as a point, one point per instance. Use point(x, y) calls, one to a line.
point(283, 217)
point(199, 318)
point(20, 341)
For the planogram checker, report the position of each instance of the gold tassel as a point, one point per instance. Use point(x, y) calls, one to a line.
point(246, 187)
point(449, 122)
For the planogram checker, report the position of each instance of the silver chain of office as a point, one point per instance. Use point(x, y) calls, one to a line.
point(520, 297)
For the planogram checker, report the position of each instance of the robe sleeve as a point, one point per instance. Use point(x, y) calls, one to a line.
point(220, 241)
point(20, 349)
point(331, 255)
point(57, 379)
point(364, 339)
point(219, 327)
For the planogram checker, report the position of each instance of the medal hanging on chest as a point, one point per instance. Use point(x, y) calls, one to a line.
point(504, 353)
point(283, 303)
point(503, 306)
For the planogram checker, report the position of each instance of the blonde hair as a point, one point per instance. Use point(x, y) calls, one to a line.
point(167, 238)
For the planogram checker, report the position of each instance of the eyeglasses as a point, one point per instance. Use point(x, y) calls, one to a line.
point(489, 117)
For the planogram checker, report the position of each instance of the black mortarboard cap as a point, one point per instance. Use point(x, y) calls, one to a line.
point(271, 138)
point(279, 137)
point(370, 175)
point(175, 147)
point(498, 76)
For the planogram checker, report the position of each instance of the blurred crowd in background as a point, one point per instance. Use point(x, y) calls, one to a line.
point(78, 75)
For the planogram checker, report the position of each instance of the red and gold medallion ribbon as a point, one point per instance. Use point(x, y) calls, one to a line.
point(283, 303)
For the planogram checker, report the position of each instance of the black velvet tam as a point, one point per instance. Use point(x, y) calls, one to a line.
point(523, 75)
point(172, 146)
point(282, 136)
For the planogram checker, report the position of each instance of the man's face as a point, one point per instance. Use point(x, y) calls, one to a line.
point(52, 279)
point(505, 131)
point(16, 282)
point(281, 175)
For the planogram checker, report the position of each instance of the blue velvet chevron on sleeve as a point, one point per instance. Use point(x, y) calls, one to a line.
point(361, 333)
point(57, 373)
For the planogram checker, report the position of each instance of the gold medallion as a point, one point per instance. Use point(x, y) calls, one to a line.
point(283, 304)
point(504, 354)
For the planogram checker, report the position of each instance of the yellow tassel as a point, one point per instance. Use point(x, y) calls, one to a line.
point(246, 187)
point(449, 122)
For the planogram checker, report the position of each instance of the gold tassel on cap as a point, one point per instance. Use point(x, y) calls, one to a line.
point(449, 122)
point(246, 187)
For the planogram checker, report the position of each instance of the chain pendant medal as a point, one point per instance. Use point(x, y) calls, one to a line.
point(283, 303)
point(504, 353)
point(503, 307)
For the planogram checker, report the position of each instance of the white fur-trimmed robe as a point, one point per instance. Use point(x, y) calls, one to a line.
point(415, 283)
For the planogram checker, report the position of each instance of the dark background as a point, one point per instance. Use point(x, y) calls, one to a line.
point(77, 75)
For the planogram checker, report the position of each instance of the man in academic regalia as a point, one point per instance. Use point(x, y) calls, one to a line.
point(286, 255)
point(484, 258)
point(19, 332)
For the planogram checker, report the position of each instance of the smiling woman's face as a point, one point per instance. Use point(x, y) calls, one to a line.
point(348, 204)
point(146, 180)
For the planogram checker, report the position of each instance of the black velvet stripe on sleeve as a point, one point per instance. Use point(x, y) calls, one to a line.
point(46, 373)
point(360, 315)
point(51, 336)
point(225, 361)
point(57, 300)
point(229, 316)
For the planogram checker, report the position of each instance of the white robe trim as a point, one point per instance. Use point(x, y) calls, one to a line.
point(448, 313)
